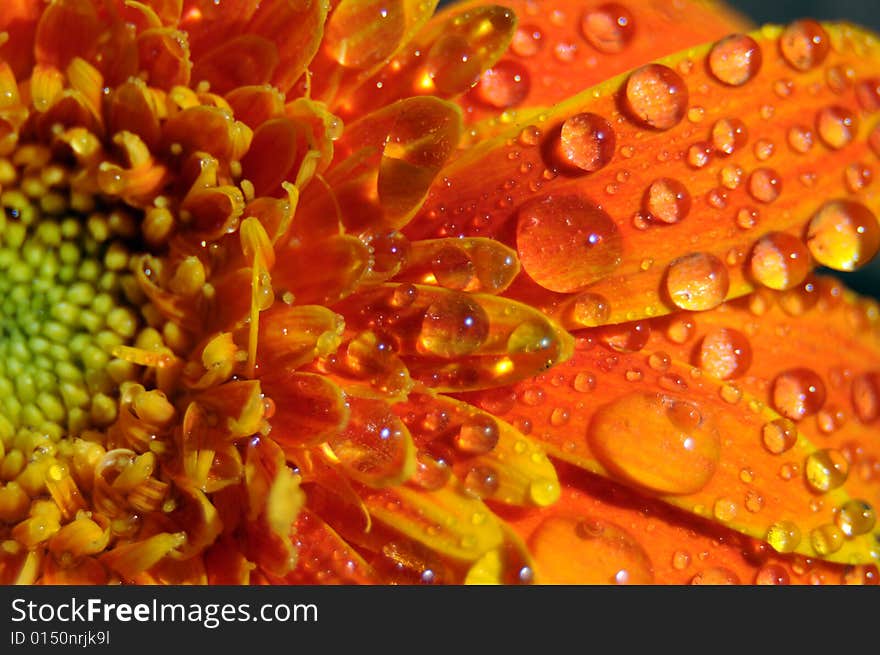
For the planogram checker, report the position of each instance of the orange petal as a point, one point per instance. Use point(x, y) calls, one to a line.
point(601, 533)
point(649, 190)
point(638, 414)
point(561, 48)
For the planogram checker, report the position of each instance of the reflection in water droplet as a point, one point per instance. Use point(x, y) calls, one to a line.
point(866, 397)
point(764, 185)
point(655, 96)
point(780, 261)
point(827, 539)
point(631, 434)
point(804, 44)
point(590, 309)
point(586, 142)
point(453, 326)
point(481, 481)
point(504, 85)
point(724, 353)
point(666, 200)
point(728, 135)
point(735, 59)
point(843, 235)
point(783, 536)
point(606, 553)
point(836, 126)
point(608, 27)
point(478, 435)
point(800, 139)
point(772, 574)
point(826, 469)
point(779, 435)
point(567, 242)
point(697, 282)
point(797, 393)
point(856, 517)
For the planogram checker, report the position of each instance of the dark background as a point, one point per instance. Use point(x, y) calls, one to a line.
point(863, 12)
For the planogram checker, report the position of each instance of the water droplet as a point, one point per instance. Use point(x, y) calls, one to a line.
point(827, 539)
point(728, 135)
point(856, 517)
point(724, 509)
point(584, 382)
point(681, 560)
point(857, 176)
point(747, 218)
point(868, 94)
point(529, 136)
point(453, 326)
point(608, 27)
point(717, 575)
point(680, 329)
point(843, 235)
point(431, 474)
point(754, 501)
point(631, 434)
point(800, 139)
point(779, 435)
point(481, 481)
point(863, 574)
point(697, 282)
point(826, 469)
point(724, 353)
point(699, 154)
point(772, 574)
point(586, 142)
point(804, 44)
point(607, 554)
point(659, 361)
point(655, 96)
point(730, 176)
point(504, 85)
point(666, 200)
point(567, 242)
point(764, 185)
point(836, 126)
point(783, 536)
point(797, 393)
point(780, 261)
point(478, 435)
point(735, 59)
point(627, 337)
point(763, 149)
point(590, 309)
point(527, 41)
point(866, 397)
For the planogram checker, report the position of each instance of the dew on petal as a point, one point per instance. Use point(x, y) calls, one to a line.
point(779, 261)
point(843, 235)
point(655, 96)
point(764, 185)
point(804, 44)
point(609, 27)
point(856, 517)
point(567, 242)
point(798, 393)
point(586, 143)
point(826, 469)
point(779, 435)
point(827, 539)
point(735, 59)
point(836, 126)
point(724, 353)
point(666, 201)
point(503, 86)
point(783, 536)
point(607, 554)
point(453, 326)
point(631, 434)
point(697, 282)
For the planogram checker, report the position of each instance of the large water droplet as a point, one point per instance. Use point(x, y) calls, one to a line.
point(503, 86)
point(735, 59)
point(827, 539)
point(586, 142)
point(567, 242)
point(478, 435)
point(783, 536)
point(725, 353)
point(804, 44)
point(606, 553)
point(697, 282)
point(666, 200)
point(453, 326)
point(797, 393)
point(656, 441)
point(836, 126)
point(826, 469)
point(856, 517)
point(655, 96)
point(843, 235)
point(608, 27)
point(780, 261)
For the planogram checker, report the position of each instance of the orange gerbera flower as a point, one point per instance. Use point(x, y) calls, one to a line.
point(301, 291)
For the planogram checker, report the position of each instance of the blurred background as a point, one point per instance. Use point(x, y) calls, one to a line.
point(863, 12)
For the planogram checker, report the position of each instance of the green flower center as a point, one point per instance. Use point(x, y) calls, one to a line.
point(67, 299)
